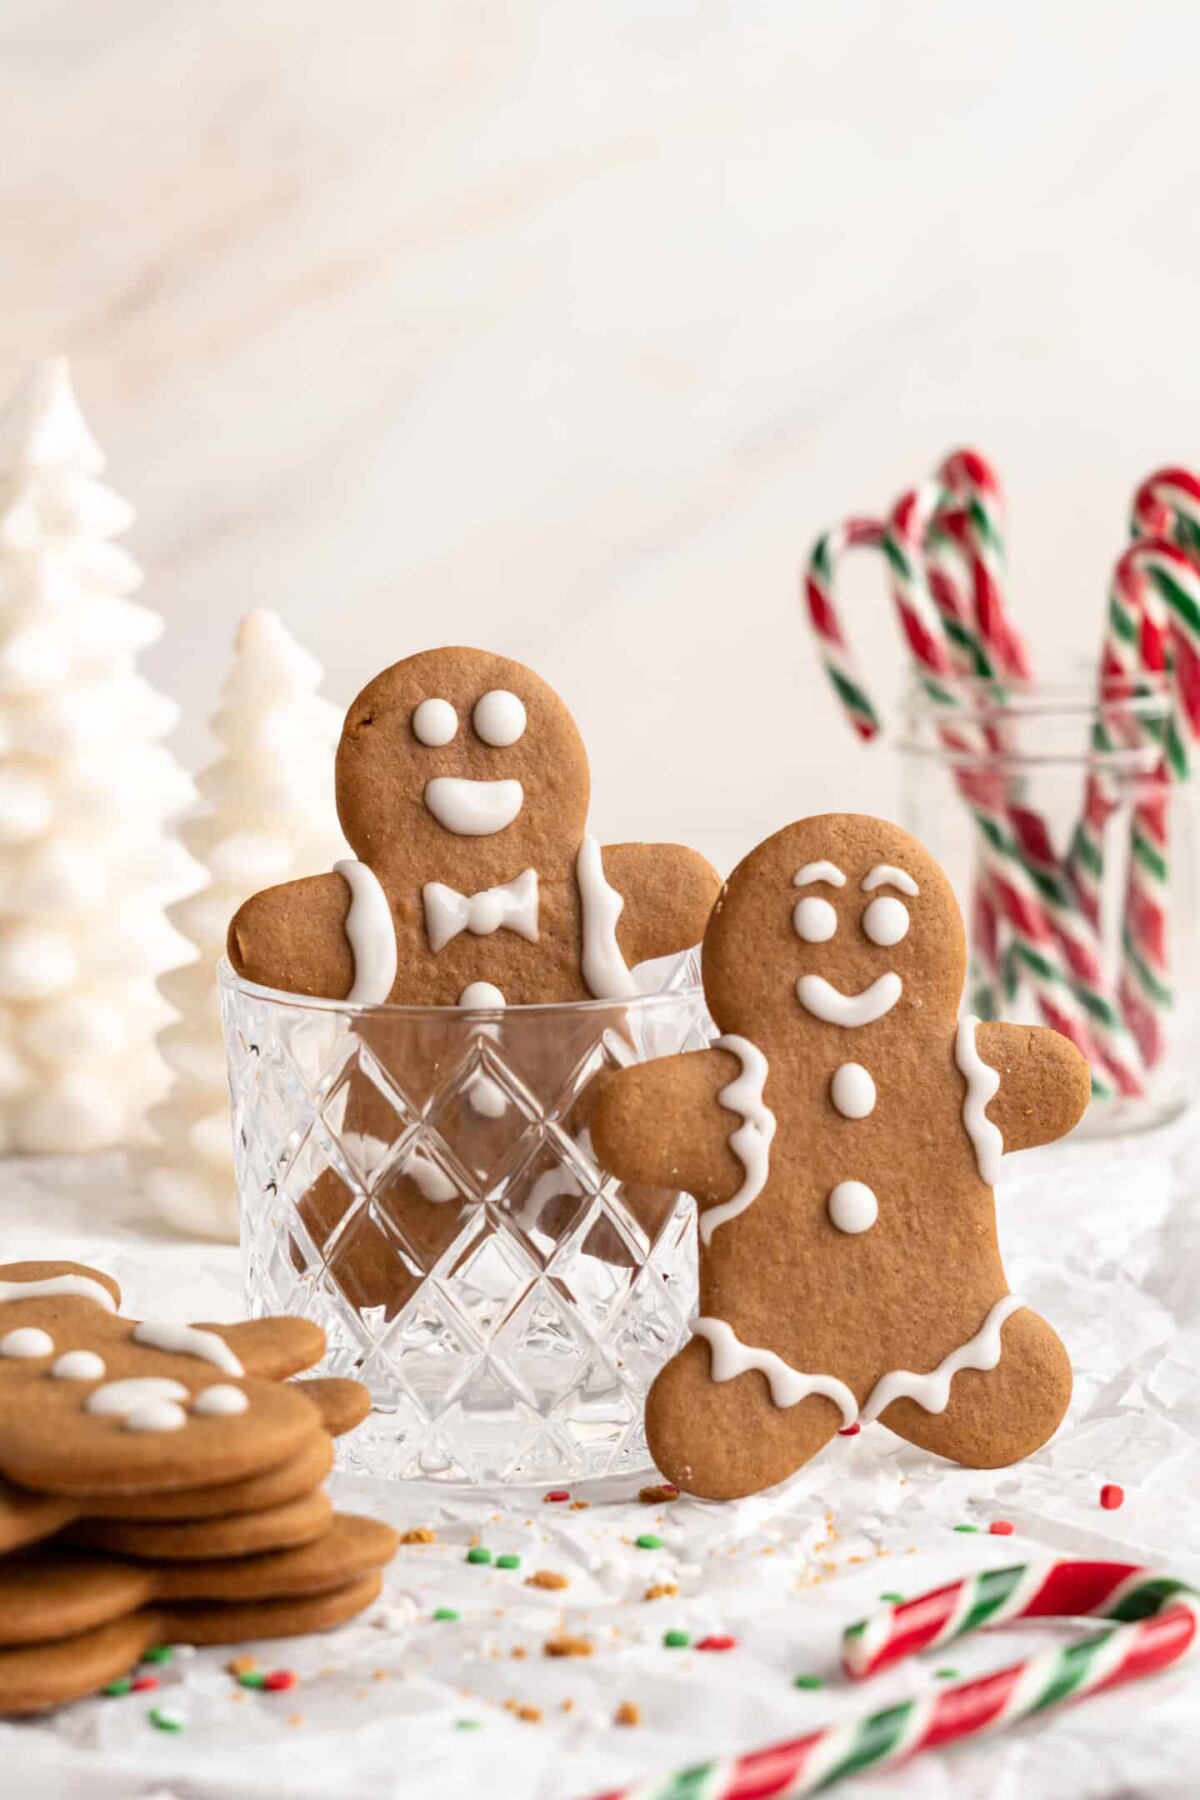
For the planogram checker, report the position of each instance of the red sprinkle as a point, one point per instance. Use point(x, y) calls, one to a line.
point(1001, 1528)
point(717, 1642)
point(1111, 1496)
point(280, 1680)
point(144, 1684)
point(558, 1494)
point(850, 1430)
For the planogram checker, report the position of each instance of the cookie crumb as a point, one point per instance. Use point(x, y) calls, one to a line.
point(419, 1534)
point(546, 1578)
point(531, 1714)
point(627, 1714)
point(241, 1665)
point(295, 1718)
point(567, 1706)
point(658, 1496)
point(661, 1590)
point(580, 1505)
point(568, 1646)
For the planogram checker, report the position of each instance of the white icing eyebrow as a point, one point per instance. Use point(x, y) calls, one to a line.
point(819, 871)
point(887, 875)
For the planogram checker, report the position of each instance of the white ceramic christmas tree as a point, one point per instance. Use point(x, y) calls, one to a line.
point(86, 786)
point(270, 817)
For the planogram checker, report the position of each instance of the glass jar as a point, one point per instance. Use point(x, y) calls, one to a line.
point(1074, 855)
point(420, 1182)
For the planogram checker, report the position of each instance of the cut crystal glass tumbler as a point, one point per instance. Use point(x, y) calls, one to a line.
point(420, 1182)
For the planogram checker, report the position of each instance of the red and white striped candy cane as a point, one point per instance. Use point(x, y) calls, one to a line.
point(976, 523)
point(1049, 936)
point(1155, 1622)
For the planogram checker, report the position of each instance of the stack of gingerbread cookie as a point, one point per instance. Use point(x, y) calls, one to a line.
point(161, 1483)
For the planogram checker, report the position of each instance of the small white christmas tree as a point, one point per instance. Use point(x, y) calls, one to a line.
point(86, 786)
point(270, 817)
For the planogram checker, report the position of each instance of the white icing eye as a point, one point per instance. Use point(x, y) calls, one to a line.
point(499, 718)
point(815, 920)
point(886, 921)
point(434, 723)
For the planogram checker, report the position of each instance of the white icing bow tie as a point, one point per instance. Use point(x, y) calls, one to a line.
point(513, 907)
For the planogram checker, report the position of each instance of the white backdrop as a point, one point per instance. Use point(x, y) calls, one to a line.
point(562, 329)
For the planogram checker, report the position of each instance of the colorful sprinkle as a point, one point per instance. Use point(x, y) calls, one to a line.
point(280, 1680)
point(676, 1640)
point(144, 1684)
point(808, 1681)
point(468, 1724)
point(850, 1430)
point(557, 1494)
point(161, 1653)
point(1111, 1496)
point(946, 1674)
point(646, 1540)
point(252, 1678)
point(1001, 1528)
point(117, 1688)
point(167, 1718)
point(445, 1613)
point(893, 1599)
point(508, 1561)
point(717, 1641)
point(479, 1553)
point(966, 1528)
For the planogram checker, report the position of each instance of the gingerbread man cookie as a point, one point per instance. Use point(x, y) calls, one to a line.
point(92, 1403)
point(462, 787)
point(842, 1139)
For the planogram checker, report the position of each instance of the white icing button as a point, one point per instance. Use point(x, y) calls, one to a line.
point(79, 1365)
point(480, 996)
point(27, 1340)
point(434, 723)
point(886, 921)
point(499, 718)
point(159, 1415)
point(814, 920)
point(853, 1207)
point(221, 1400)
point(852, 1091)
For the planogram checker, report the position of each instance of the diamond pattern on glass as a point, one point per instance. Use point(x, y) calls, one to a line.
point(426, 1190)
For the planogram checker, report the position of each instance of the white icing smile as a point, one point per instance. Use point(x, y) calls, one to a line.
point(473, 808)
point(824, 1002)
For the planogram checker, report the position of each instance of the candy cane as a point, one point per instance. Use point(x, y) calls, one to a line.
point(969, 479)
point(1157, 1623)
point(1042, 917)
point(836, 656)
point(1152, 639)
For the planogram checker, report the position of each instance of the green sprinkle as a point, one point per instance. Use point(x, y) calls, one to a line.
point(893, 1599)
point(648, 1541)
point(966, 1528)
point(946, 1674)
point(445, 1612)
point(479, 1553)
point(676, 1640)
point(468, 1724)
point(160, 1653)
point(508, 1561)
point(808, 1681)
point(252, 1678)
point(119, 1687)
point(165, 1718)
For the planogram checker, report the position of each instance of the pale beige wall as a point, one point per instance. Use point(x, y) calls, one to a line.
point(563, 327)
